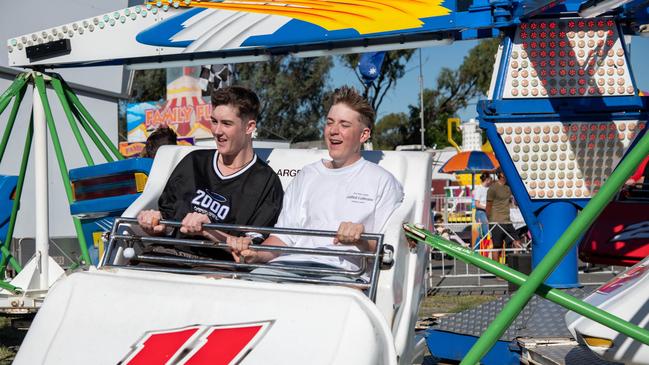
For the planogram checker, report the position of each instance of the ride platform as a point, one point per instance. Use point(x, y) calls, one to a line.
point(538, 335)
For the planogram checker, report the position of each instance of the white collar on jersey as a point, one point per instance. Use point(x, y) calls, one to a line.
point(215, 162)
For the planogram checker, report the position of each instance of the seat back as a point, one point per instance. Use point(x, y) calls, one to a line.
point(400, 287)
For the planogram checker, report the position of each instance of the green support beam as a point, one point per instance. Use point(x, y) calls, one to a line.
point(555, 295)
point(6, 252)
point(58, 88)
point(12, 90)
point(91, 133)
point(12, 119)
point(16, 207)
point(73, 109)
point(72, 97)
point(12, 289)
point(5, 245)
point(40, 85)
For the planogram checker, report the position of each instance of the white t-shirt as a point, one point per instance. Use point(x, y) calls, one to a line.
point(321, 198)
point(480, 195)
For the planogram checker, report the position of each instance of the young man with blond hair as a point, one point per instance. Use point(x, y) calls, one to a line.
point(346, 193)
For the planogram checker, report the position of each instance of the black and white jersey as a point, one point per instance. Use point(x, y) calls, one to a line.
point(252, 196)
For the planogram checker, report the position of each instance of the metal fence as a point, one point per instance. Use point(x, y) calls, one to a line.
point(447, 273)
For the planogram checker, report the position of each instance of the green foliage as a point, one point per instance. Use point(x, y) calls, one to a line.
point(291, 91)
point(455, 89)
point(393, 68)
point(10, 339)
point(149, 85)
point(389, 131)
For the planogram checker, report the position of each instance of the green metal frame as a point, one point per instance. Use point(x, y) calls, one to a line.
point(40, 85)
point(534, 283)
point(17, 89)
point(6, 252)
point(75, 113)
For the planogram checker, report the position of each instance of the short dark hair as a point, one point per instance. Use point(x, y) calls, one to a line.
point(160, 137)
point(485, 176)
point(243, 99)
point(349, 96)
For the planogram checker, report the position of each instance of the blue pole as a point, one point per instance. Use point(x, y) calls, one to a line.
point(554, 219)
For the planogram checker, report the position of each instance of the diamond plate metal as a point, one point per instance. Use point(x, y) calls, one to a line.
point(540, 318)
point(568, 355)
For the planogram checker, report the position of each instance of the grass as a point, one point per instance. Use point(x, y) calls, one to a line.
point(436, 304)
point(10, 339)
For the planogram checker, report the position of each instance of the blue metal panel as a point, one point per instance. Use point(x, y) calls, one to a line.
point(453, 346)
point(7, 186)
point(502, 68)
point(112, 168)
point(530, 8)
point(97, 215)
point(110, 205)
point(564, 107)
point(541, 214)
point(555, 217)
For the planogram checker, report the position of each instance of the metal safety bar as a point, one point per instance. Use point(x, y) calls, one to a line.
point(225, 268)
point(230, 264)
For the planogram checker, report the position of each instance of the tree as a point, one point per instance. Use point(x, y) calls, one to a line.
point(391, 130)
point(149, 85)
point(393, 68)
point(455, 89)
point(291, 91)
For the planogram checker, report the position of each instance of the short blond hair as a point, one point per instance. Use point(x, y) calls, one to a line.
point(349, 96)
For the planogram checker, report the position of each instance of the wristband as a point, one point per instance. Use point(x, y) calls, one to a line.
point(256, 237)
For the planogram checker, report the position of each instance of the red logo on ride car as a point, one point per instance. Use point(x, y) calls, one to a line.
point(197, 345)
point(631, 275)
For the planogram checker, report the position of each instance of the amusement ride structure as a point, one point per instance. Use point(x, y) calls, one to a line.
point(564, 117)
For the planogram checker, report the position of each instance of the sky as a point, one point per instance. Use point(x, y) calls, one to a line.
point(406, 91)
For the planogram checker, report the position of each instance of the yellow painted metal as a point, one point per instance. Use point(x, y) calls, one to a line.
point(74, 192)
point(598, 342)
point(140, 181)
point(364, 16)
point(98, 242)
point(486, 147)
point(449, 130)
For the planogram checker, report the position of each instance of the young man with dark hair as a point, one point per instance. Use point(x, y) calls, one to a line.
point(346, 194)
point(229, 185)
point(160, 137)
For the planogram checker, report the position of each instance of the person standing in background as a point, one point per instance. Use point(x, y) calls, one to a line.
point(480, 202)
point(499, 198)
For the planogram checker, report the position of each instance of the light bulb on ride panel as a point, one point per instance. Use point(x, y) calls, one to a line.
point(129, 253)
